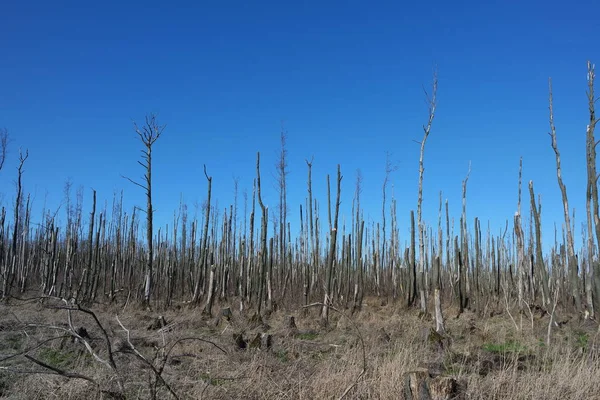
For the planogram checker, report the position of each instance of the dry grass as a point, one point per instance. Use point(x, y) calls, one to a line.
point(489, 357)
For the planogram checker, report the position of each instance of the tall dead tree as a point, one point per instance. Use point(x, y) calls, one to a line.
point(432, 103)
point(203, 267)
point(332, 251)
point(148, 135)
point(464, 234)
point(9, 274)
point(520, 242)
point(263, 238)
point(282, 173)
point(571, 260)
point(313, 254)
point(593, 180)
point(539, 257)
point(19, 200)
point(389, 168)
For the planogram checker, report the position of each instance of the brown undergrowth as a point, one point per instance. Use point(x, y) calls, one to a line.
point(189, 356)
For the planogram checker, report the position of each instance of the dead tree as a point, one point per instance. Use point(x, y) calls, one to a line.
point(389, 168)
point(263, 238)
point(593, 180)
point(412, 294)
point(571, 260)
point(83, 288)
point(313, 255)
point(282, 188)
point(9, 274)
point(464, 233)
point(332, 251)
point(432, 103)
point(539, 257)
point(148, 135)
point(520, 241)
point(201, 273)
point(3, 146)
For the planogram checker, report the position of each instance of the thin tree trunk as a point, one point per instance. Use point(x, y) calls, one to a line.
point(332, 252)
point(571, 260)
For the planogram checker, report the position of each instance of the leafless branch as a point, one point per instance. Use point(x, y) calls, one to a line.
point(157, 373)
point(59, 371)
point(134, 182)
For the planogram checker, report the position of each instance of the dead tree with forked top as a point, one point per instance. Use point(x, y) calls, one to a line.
point(148, 135)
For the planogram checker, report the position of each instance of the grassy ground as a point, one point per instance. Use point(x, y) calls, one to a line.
point(492, 357)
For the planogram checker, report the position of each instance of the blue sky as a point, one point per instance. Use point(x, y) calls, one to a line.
point(346, 78)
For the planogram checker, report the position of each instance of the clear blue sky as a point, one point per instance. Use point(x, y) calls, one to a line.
point(345, 77)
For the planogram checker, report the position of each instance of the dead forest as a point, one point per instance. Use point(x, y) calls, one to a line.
point(246, 260)
point(237, 257)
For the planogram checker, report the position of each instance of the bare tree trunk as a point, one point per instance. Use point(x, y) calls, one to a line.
point(477, 265)
point(8, 276)
point(389, 168)
point(539, 257)
point(148, 135)
point(269, 277)
point(413, 263)
point(520, 242)
point(520, 257)
point(3, 146)
point(282, 176)
point(593, 185)
point(200, 274)
point(263, 238)
point(461, 279)
point(313, 254)
point(210, 296)
point(466, 287)
point(571, 260)
point(332, 252)
point(426, 130)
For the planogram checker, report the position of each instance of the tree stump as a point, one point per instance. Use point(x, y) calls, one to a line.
point(226, 313)
point(419, 385)
point(240, 343)
point(266, 341)
point(158, 323)
point(255, 342)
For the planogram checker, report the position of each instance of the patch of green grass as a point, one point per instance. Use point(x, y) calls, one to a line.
point(282, 356)
point(56, 357)
point(503, 348)
point(213, 381)
point(581, 339)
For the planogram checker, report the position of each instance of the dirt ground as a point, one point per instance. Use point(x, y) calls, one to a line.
point(234, 356)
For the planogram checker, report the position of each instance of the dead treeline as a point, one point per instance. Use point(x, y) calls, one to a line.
point(253, 260)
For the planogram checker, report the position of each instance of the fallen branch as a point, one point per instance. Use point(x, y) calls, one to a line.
point(157, 373)
point(58, 371)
